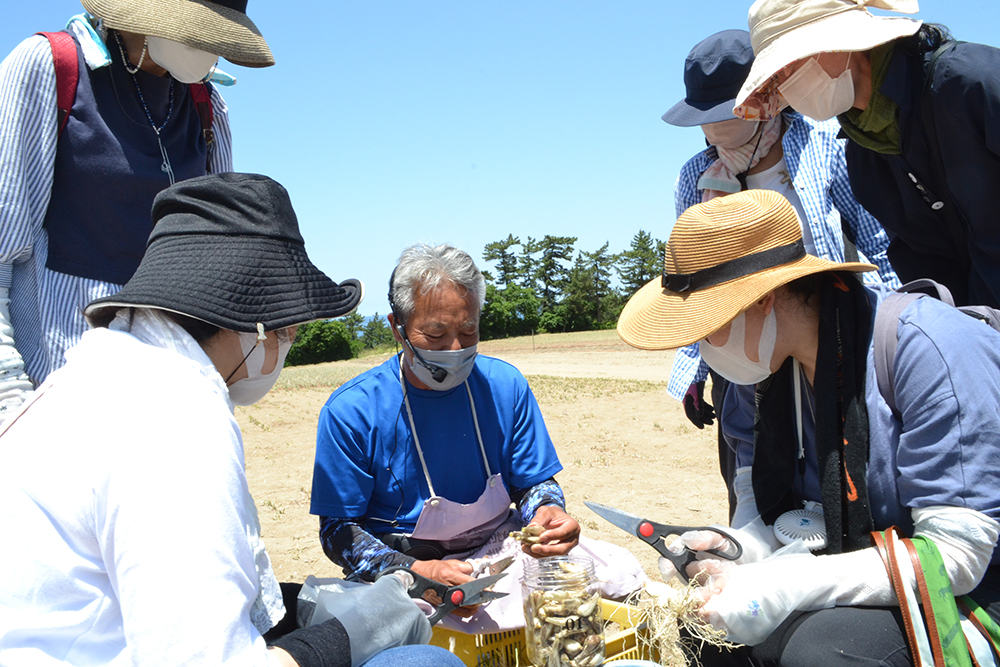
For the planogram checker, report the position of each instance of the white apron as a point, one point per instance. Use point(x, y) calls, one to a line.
point(458, 526)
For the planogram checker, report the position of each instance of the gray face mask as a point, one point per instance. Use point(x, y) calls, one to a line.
point(442, 370)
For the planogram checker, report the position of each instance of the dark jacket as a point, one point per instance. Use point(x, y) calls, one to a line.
point(965, 98)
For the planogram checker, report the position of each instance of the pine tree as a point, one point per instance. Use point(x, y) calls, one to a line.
point(642, 262)
point(506, 261)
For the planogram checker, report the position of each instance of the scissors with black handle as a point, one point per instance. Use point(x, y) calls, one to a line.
point(452, 597)
point(655, 534)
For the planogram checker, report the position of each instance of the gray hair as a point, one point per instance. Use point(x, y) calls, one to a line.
point(422, 268)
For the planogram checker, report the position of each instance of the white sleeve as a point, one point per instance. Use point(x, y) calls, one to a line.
point(15, 386)
point(182, 483)
point(966, 539)
point(746, 503)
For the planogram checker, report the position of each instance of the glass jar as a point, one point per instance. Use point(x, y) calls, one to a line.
point(562, 612)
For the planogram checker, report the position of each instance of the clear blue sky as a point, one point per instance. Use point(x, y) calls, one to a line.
point(395, 122)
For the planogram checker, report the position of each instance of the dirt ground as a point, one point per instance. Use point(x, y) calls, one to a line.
point(621, 439)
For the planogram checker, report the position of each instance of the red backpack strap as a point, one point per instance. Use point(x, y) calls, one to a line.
point(64, 58)
point(202, 98)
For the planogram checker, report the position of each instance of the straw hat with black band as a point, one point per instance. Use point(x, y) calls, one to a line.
point(219, 27)
point(722, 257)
point(226, 249)
point(785, 31)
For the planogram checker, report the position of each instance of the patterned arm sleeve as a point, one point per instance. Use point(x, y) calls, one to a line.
point(529, 500)
point(688, 369)
point(688, 366)
point(686, 192)
point(356, 550)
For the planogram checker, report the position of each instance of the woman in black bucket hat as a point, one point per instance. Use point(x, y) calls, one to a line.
point(137, 431)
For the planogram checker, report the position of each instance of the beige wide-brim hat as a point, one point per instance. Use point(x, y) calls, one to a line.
point(221, 28)
point(722, 256)
point(784, 31)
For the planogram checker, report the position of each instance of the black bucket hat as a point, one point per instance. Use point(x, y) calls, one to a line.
point(714, 72)
point(226, 249)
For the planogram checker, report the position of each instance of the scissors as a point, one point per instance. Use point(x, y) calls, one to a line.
point(470, 593)
point(655, 534)
point(485, 565)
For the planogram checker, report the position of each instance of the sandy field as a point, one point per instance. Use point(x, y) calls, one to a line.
point(621, 439)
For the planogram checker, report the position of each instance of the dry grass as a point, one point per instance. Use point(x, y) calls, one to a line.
point(561, 389)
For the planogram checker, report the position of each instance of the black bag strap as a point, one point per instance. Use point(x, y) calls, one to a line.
point(885, 337)
point(850, 243)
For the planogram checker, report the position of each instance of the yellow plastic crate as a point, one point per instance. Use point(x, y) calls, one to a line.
point(506, 649)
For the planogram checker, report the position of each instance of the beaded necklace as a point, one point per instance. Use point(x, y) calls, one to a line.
point(165, 167)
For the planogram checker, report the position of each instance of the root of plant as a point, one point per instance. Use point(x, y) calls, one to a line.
point(668, 609)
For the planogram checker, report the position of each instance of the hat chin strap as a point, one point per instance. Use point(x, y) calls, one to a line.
point(733, 269)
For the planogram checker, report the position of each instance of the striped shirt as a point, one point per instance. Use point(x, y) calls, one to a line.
point(818, 169)
point(46, 307)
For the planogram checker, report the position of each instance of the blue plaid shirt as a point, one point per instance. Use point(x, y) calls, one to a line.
point(815, 159)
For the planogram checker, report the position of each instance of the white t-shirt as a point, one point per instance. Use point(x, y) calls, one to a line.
point(126, 513)
point(777, 178)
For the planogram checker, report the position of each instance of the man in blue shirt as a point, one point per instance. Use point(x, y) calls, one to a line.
point(421, 457)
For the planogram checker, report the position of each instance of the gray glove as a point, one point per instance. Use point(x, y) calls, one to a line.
point(376, 617)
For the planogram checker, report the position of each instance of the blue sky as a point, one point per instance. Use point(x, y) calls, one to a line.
point(397, 122)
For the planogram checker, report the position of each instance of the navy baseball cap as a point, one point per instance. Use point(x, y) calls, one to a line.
point(714, 72)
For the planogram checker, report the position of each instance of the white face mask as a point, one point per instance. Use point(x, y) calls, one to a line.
point(731, 361)
point(457, 365)
point(252, 388)
point(730, 133)
point(184, 63)
point(812, 92)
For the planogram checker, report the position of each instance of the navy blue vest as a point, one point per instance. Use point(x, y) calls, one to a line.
point(107, 169)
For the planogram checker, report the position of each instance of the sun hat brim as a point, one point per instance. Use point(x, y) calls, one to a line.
point(846, 31)
point(658, 319)
point(690, 114)
point(200, 24)
point(234, 282)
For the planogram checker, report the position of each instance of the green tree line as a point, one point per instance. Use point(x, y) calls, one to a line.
point(536, 285)
point(547, 285)
point(343, 338)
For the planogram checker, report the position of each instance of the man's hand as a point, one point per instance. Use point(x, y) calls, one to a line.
point(449, 572)
point(698, 412)
point(562, 532)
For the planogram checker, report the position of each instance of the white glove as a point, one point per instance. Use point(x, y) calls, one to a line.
point(15, 386)
point(750, 601)
point(376, 617)
point(757, 540)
